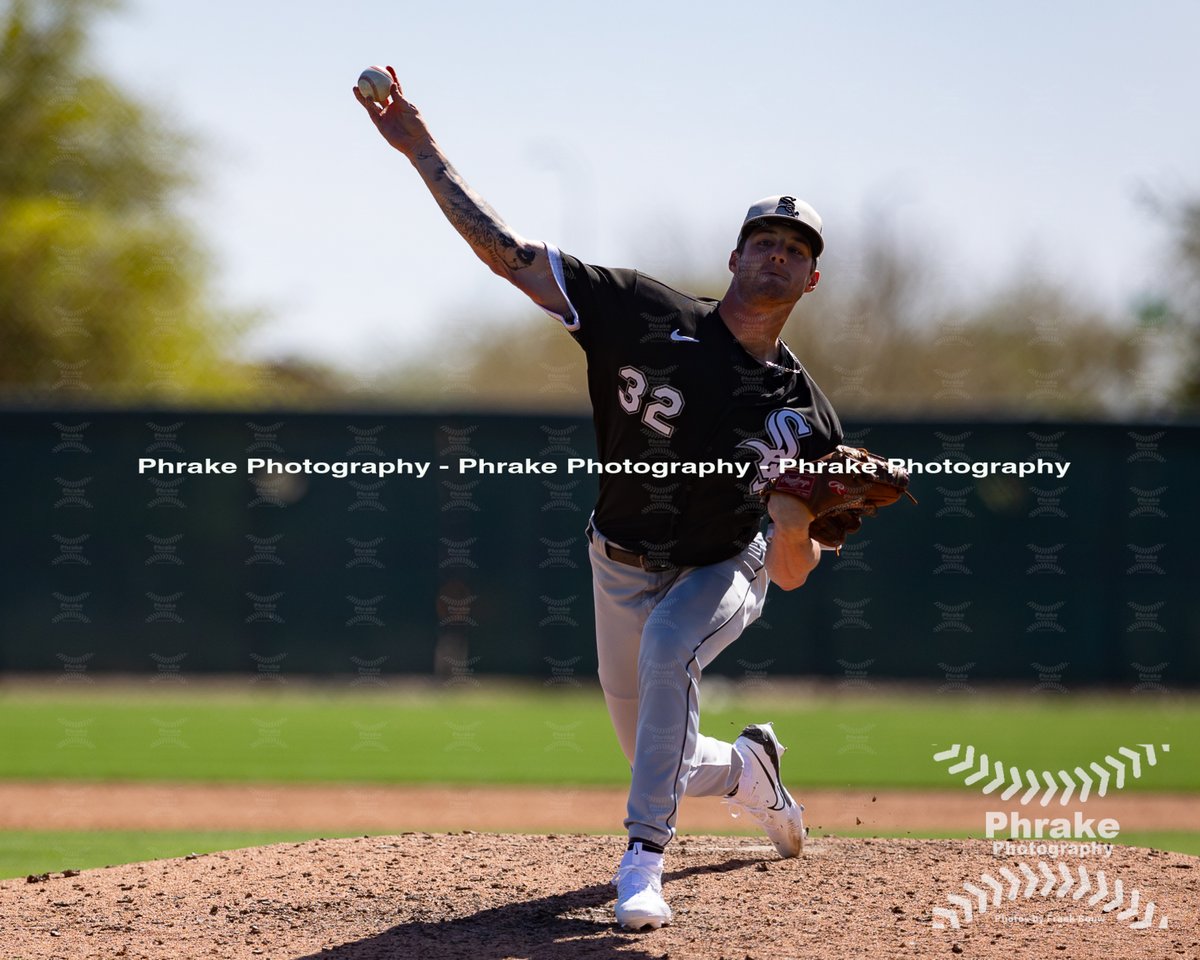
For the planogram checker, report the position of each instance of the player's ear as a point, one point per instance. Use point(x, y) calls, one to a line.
point(813, 278)
point(733, 259)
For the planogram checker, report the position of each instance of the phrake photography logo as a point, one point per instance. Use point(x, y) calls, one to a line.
point(1058, 835)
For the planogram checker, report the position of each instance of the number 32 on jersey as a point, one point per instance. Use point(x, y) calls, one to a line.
point(665, 402)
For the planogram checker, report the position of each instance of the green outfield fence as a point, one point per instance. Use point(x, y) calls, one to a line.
point(1049, 582)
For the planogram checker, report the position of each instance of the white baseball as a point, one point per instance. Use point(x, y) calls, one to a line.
point(374, 84)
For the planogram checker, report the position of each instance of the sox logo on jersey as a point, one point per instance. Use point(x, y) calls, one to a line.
point(784, 429)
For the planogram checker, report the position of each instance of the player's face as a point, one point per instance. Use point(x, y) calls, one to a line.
point(775, 264)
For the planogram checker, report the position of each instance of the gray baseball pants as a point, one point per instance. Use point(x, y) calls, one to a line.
point(655, 634)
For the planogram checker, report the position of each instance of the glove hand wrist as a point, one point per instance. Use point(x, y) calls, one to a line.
point(791, 515)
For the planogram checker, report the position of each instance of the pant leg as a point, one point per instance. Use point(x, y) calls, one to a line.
point(714, 770)
point(624, 598)
point(702, 612)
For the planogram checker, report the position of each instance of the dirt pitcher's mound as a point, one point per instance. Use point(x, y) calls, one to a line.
point(489, 897)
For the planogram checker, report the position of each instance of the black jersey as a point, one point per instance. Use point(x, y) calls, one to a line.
point(669, 382)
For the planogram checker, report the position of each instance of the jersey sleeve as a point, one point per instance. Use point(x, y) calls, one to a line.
point(597, 297)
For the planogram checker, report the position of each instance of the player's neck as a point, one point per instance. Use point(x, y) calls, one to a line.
point(756, 327)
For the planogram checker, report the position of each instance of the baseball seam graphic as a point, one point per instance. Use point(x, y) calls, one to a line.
point(1059, 884)
point(1011, 775)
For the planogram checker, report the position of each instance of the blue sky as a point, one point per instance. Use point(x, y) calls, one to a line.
point(993, 136)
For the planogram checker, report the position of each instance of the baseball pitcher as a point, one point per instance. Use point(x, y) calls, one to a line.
point(679, 378)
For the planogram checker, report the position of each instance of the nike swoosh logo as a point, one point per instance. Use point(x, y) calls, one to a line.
point(682, 338)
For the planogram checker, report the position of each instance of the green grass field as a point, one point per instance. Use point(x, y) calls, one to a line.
point(501, 733)
point(533, 736)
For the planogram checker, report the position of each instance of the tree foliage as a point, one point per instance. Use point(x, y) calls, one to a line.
point(1181, 308)
point(880, 339)
point(104, 290)
point(1031, 347)
point(103, 287)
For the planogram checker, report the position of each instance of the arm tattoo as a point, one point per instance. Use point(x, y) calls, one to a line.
point(489, 236)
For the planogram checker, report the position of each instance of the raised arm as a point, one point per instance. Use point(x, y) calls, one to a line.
point(523, 263)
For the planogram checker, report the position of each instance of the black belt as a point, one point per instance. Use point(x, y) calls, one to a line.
point(629, 557)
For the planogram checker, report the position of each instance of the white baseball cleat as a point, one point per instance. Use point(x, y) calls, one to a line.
point(761, 793)
point(639, 890)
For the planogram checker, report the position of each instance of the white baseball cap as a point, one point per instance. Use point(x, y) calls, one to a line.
point(789, 210)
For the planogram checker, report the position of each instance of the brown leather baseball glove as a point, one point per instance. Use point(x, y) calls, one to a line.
point(841, 488)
